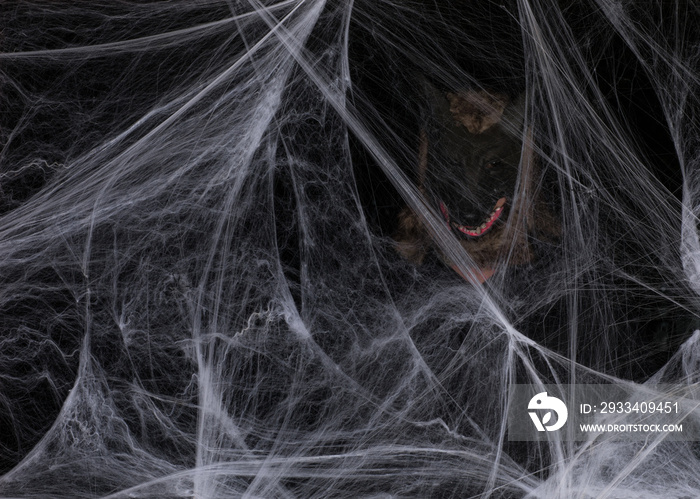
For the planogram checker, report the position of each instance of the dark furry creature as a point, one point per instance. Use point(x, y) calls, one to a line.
point(476, 166)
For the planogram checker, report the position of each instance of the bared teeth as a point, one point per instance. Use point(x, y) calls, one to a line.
point(481, 229)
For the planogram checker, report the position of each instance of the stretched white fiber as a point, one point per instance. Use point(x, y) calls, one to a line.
point(200, 293)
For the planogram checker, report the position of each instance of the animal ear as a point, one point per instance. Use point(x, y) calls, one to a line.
point(514, 115)
point(437, 103)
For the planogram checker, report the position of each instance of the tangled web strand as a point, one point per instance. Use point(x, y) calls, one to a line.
point(200, 294)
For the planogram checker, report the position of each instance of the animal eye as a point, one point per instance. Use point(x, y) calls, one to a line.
point(494, 164)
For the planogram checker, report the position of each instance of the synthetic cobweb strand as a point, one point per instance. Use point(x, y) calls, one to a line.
point(196, 304)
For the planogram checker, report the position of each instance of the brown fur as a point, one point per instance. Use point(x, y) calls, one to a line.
point(477, 111)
